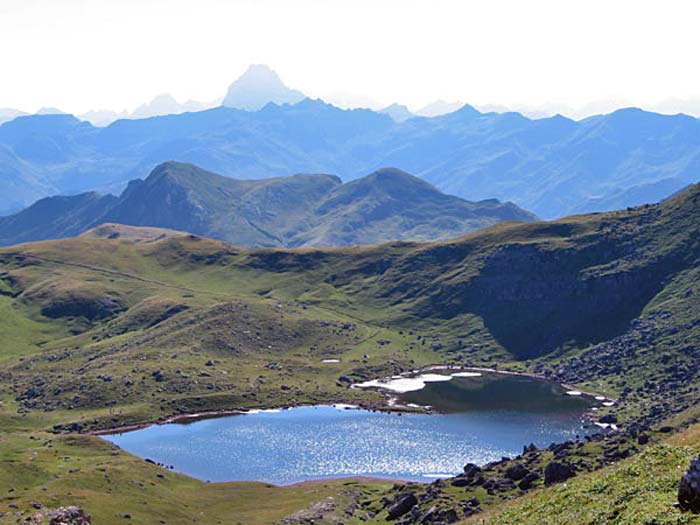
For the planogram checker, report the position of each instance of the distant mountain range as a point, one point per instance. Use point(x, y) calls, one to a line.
point(300, 210)
point(257, 86)
point(553, 166)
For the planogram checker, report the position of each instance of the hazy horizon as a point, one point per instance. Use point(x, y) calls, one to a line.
point(87, 55)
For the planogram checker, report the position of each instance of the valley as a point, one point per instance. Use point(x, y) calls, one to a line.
point(107, 331)
point(302, 262)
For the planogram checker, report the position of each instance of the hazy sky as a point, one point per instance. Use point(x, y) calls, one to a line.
point(117, 54)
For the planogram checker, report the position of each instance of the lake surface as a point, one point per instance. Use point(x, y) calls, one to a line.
point(489, 417)
point(496, 392)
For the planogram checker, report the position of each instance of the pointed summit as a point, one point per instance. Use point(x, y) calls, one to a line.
point(397, 112)
point(258, 86)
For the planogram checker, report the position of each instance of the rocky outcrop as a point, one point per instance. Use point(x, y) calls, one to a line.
point(402, 504)
point(556, 472)
point(689, 488)
point(62, 516)
point(528, 480)
point(516, 472)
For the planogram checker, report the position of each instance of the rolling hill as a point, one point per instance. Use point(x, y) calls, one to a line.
point(123, 326)
point(300, 210)
point(117, 327)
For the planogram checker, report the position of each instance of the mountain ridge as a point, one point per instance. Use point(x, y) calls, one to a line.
point(553, 166)
point(299, 210)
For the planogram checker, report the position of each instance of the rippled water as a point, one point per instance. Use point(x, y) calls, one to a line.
point(307, 443)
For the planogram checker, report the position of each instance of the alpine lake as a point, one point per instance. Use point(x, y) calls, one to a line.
point(475, 418)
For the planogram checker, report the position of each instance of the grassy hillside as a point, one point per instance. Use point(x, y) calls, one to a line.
point(115, 487)
point(111, 330)
point(638, 490)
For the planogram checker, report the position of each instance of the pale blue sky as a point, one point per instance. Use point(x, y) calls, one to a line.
point(88, 54)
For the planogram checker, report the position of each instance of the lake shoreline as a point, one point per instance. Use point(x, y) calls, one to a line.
point(389, 404)
point(341, 479)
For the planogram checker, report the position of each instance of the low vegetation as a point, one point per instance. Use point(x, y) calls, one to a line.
point(107, 331)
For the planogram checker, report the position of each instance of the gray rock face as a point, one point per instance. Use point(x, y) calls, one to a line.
point(689, 487)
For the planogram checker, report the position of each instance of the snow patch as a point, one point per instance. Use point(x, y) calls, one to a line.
point(404, 384)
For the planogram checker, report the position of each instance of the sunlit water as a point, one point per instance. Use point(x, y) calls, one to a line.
point(309, 443)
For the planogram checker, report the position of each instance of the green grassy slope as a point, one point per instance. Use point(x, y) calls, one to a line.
point(101, 332)
point(639, 490)
point(115, 487)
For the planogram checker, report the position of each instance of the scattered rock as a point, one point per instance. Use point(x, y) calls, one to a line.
point(63, 516)
point(70, 516)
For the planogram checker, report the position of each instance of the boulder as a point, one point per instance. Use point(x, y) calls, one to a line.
point(556, 472)
point(403, 503)
point(516, 472)
point(689, 487)
point(529, 448)
point(461, 481)
point(471, 470)
point(494, 485)
point(608, 418)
